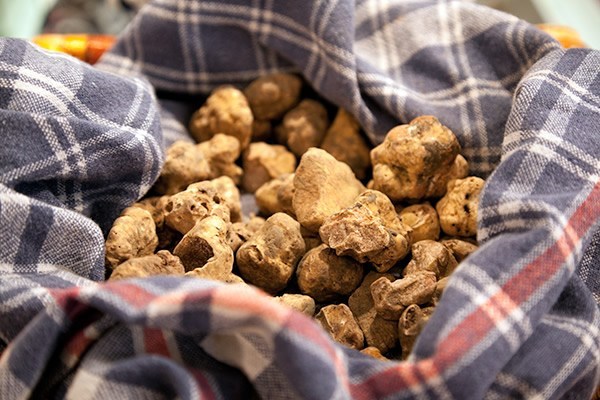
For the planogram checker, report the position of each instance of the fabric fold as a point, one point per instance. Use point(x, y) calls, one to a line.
point(519, 318)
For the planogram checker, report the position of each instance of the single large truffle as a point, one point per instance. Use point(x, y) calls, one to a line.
point(368, 231)
point(324, 276)
point(226, 111)
point(269, 258)
point(272, 95)
point(322, 187)
point(344, 141)
point(458, 208)
point(407, 165)
point(187, 163)
point(263, 162)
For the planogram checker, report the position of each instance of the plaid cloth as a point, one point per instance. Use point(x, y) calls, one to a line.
point(519, 318)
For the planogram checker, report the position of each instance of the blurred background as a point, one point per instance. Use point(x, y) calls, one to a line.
point(27, 18)
point(581, 15)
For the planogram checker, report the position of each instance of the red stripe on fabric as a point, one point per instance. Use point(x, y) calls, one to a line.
point(206, 390)
point(78, 344)
point(155, 342)
point(534, 275)
point(134, 295)
point(66, 299)
point(388, 381)
point(481, 321)
point(520, 287)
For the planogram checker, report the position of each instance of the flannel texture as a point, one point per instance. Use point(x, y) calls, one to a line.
point(519, 318)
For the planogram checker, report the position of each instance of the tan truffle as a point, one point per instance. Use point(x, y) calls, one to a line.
point(266, 197)
point(458, 208)
point(374, 352)
point(261, 130)
point(391, 298)
point(240, 232)
point(263, 162)
point(410, 325)
point(311, 239)
point(324, 276)
point(303, 126)
point(299, 302)
point(439, 182)
point(186, 163)
point(285, 194)
point(459, 248)
point(214, 275)
point(339, 322)
point(161, 263)
point(323, 186)
point(222, 151)
point(423, 220)
point(440, 286)
point(368, 231)
point(198, 201)
point(379, 332)
point(205, 247)
point(411, 156)
point(132, 235)
point(226, 111)
point(431, 256)
point(272, 95)
point(156, 207)
point(227, 189)
point(276, 196)
point(269, 258)
point(344, 141)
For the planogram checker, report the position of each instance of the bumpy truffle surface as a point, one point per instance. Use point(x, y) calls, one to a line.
point(368, 231)
point(325, 276)
point(322, 187)
point(272, 95)
point(407, 163)
point(161, 263)
point(132, 235)
point(269, 258)
point(458, 208)
point(344, 141)
point(226, 111)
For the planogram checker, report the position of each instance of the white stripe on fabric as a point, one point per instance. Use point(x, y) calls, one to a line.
point(456, 95)
point(517, 140)
point(256, 46)
point(462, 59)
point(568, 88)
point(75, 149)
point(323, 23)
point(86, 385)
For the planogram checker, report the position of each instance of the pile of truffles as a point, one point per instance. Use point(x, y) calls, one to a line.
point(362, 239)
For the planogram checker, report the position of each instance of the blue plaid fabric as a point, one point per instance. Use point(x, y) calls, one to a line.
point(520, 317)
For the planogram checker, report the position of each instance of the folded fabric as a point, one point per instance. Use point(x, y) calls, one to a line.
point(519, 318)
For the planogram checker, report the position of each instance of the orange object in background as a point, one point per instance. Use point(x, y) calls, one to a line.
point(88, 48)
point(567, 37)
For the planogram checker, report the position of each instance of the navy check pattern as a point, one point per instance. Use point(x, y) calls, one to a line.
point(519, 318)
